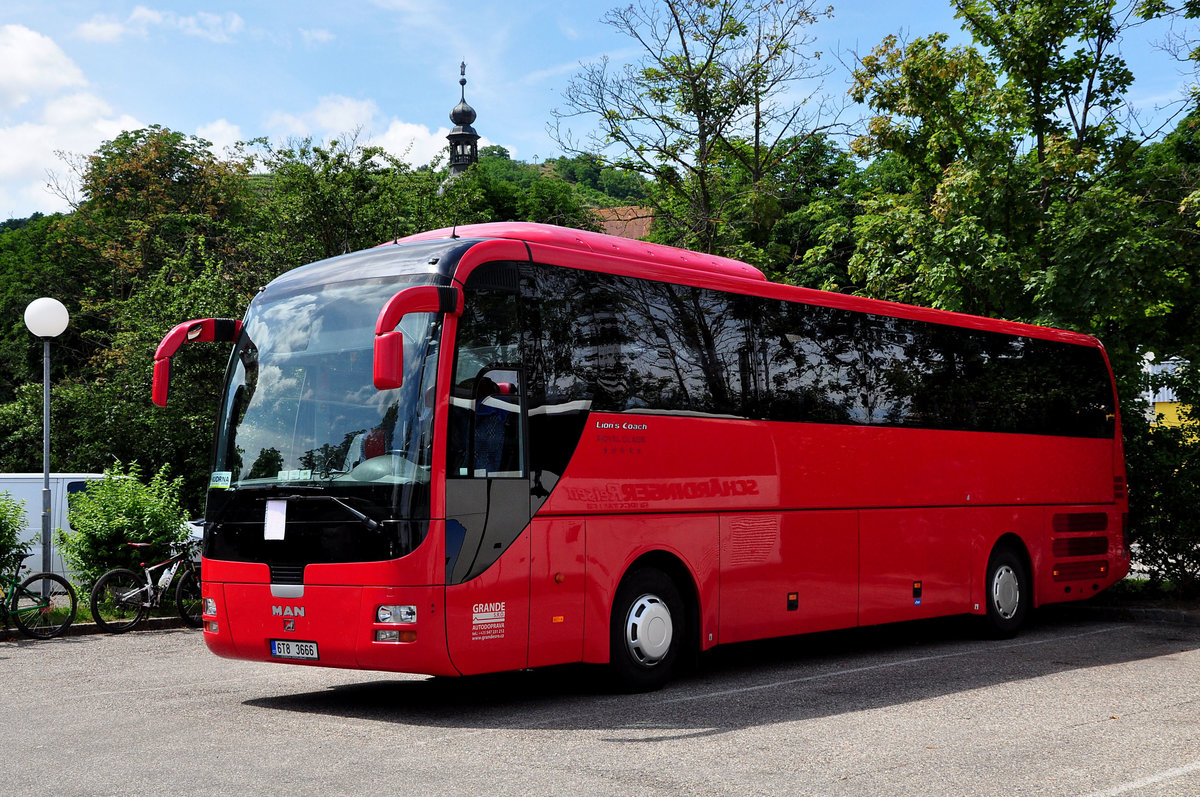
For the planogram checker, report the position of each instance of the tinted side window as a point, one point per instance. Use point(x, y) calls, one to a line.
point(942, 377)
point(558, 342)
point(629, 345)
point(682, 349)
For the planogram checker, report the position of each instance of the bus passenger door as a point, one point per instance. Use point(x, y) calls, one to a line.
point(487, 484)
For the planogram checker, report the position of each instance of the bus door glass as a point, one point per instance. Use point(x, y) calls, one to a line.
point(487, 480)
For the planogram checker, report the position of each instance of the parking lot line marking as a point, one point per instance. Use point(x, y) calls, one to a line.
point(887, 665)
point(1149, 780)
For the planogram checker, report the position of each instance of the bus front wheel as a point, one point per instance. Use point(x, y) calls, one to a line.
point(1008, 593)
point(647, 631)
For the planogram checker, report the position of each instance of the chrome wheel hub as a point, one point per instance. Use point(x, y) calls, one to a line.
point(1006, 592)
point(648, 630)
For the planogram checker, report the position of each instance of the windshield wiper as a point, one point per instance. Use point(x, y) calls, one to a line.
point(277, 488)
point(369, 522)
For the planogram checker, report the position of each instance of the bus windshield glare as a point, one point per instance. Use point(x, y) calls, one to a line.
point(300, 407)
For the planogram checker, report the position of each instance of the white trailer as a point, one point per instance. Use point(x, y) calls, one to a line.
point(27, 487)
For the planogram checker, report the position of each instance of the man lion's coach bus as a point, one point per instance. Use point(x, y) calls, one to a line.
point(518, 445)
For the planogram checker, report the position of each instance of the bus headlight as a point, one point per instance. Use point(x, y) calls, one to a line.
point(396, 614)
point(210, 606)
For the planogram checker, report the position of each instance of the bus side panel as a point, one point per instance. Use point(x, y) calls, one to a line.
point(556, 591)
point(616, 542)
point(788, 573)
point(1072, 564)
point(487, 618)
point(917, 562)
point(681, 464)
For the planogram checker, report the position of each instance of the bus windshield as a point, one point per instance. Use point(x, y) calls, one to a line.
point(300, 407)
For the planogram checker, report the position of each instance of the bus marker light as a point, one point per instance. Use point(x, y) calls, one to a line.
point(558, 618)
point(211, 626)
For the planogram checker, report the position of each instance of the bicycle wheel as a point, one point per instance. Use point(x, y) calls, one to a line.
point(187, 598)
point(119, 600)
point(44, 606)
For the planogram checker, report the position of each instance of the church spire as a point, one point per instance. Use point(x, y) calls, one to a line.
point(463, 138)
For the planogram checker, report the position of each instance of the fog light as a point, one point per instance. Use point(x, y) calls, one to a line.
point(210, 606)
point(210, 626)
point(396, 614)
point(387, 635)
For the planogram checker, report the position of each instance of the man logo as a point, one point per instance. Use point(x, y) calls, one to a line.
point(287, 611)
point(289, 624)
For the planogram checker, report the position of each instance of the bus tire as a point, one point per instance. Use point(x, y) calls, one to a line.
point(1009, 594)
point(647, 631)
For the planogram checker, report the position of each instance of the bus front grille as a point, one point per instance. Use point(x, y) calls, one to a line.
point(287, 574)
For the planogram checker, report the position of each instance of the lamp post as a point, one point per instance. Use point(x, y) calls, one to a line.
point(46, 318)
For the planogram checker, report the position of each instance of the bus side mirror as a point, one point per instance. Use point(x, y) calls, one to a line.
point(220, 330)
point(389, 341)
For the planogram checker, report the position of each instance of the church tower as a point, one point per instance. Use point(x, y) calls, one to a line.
point(464, 149)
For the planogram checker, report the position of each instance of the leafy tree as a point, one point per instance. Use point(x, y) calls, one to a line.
point(604, 185)
point(323, 200)
point(157, 240)
point(148, 196)
point(1013, 208)
point(511, 190)
point(1031, 195)
point(1164, 481)
point(712, 89)
point(29, 269)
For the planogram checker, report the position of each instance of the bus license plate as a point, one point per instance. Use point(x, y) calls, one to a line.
point(287, 649)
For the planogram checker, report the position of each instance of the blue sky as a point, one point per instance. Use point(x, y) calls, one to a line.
point(74, 74)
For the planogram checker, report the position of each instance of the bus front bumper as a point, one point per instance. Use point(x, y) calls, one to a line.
point(398, 629)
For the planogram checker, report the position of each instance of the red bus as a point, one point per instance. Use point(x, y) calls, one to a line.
point(516, 445)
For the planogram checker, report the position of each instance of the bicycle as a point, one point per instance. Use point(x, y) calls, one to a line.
point(122, 598)
point(43, 606)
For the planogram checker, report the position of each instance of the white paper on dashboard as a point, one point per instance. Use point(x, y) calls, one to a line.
point(275, 521)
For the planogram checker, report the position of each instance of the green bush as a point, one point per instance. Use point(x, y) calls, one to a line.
point(1164, 492)
point(118, 509)
point(12, 528)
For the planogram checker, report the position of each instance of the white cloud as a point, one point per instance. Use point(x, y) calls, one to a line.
point(220, 28)
point(44, 110)
point(33, 66)
point(141, 18)
point(415, 144)
point(336, 115)
point(107, 29)
point(333, 115)
point(76, 123)
point(344, 113)
point(222, 133)
point(100, 29)
point(316, 36)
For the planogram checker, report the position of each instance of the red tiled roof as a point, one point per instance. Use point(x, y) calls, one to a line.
point(630, 221)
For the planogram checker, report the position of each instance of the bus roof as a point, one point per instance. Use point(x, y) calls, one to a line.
point(717, 271)
point(596, 243)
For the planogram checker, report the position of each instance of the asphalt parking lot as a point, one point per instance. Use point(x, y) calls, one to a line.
point(1079, 705)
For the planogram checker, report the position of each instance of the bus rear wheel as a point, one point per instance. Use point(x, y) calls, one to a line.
point(647, 631)
point(1008, 593)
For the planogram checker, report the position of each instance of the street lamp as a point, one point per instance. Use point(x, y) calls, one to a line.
point(46, 318)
